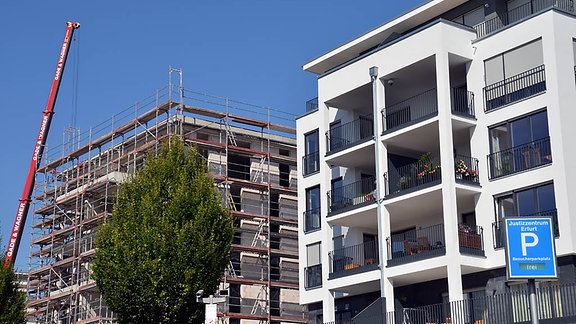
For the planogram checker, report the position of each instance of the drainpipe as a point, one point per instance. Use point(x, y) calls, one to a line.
point(374, 78)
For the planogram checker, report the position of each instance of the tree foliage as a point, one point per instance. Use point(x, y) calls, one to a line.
point(12, 300)
point(168, 238)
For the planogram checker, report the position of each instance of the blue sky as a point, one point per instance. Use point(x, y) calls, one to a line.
point(251, 50)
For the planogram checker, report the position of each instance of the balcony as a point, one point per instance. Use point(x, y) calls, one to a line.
point(353, 259)
point(414, 245)
point(311, 220)
point(471, 239)
point(413, 176)
point(311, 163)
point(352, 195)
point(520, 158)
point(466, 169)
point(515, 88)
point(498, 234)
point(463, 102)
point(349, 134)
point(410, 111)
point(492, 25)
point(313, 276)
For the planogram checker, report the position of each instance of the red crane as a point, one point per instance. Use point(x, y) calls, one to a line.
point(16, 236)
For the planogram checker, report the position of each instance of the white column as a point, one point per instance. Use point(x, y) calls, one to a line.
point(449, 204)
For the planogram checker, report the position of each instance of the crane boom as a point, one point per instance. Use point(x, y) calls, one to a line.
point(22, 212)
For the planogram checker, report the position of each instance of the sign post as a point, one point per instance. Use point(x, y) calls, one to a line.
point(530, 253)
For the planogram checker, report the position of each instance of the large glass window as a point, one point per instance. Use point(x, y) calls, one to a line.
point(519, 144)
point(312, 214)
point(311, 159)
point(514, 62)
point(535, 201)
point(514, 75)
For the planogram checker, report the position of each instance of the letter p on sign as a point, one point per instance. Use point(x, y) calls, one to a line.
point(526, 244)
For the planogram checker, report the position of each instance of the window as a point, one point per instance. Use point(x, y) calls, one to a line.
point(514, 62)
point(519, 145)
point(311, 159)
point(335, 139)
point(528, 202)
point(514, 75)
point(337, 199)
point(535, 201)
point(312, 213)
point(313, 271)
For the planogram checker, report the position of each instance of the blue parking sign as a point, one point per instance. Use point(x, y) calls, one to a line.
point(530, 250)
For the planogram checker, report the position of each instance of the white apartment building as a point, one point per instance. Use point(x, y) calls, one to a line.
point(427, 131)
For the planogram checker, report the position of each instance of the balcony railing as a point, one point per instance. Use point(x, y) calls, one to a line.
point(471, 239)
point(498, 235)
point(313, 276)
point(349, 134)
point(520, 158)
point(463, 102)
point(311, 163)
point(557, 304)
point(412, 110)
point(466, 169)
point(312, 104)
point(311, 220)
point(517, 87)
point(354, 259)
point(418, 244)
point(413, 176)
point(519, 13)
point(356, 193)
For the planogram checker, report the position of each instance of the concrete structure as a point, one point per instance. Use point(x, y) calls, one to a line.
point(427, 131)
point(253, 161)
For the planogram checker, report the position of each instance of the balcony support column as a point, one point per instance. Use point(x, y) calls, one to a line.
point(449, 203)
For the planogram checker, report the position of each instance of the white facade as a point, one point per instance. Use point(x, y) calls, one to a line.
point(486, 88)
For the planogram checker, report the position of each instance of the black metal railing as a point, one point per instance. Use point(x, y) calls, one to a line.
point(463, 102)
point(556, 303)
point(466, 169)
point(514, 88)
point(312, 220)
point(313, 276)
point(417, 244)
point(414, 109)
point(498, 235)
point(352, 259)
point(312, 104)
point(471, 239)
point(311, 163)
point(353, 194)
point(412, 176)
point(520, 158)
point(492, 25)
point(349, 134)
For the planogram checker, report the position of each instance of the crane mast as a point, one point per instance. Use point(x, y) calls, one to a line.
point(24, 205)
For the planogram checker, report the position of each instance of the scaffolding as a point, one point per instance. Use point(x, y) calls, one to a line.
point(253, 162)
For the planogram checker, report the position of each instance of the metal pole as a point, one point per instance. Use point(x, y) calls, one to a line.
point(374, 78)
point(532, 297)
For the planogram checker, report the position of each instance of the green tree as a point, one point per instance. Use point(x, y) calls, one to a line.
point(12, 300)
point(168, 238)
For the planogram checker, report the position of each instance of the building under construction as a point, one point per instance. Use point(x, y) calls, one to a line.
point(249, 150)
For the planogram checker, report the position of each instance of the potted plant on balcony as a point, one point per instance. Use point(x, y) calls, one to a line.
point(426, 169)
point(463, 171)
